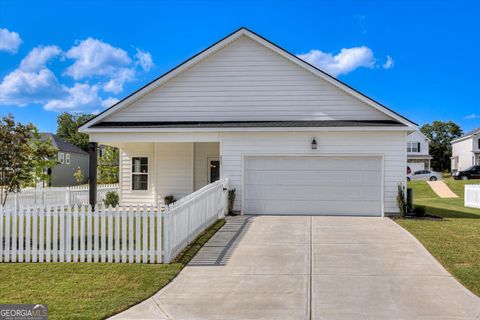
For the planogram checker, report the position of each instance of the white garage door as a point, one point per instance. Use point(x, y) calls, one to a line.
point(313, 185)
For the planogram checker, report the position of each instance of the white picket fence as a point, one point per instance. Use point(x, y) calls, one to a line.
point(139, 234)
point(472, 195)
point(56, 196)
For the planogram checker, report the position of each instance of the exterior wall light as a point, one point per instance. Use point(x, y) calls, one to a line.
point(314, 144)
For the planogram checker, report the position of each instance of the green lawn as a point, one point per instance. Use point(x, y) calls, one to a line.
point(455, 241)
point(90, 290)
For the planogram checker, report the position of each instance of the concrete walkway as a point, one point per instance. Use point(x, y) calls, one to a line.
point(300, 267)
point(441, 189)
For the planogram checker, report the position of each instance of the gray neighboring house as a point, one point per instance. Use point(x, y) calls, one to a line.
point(69, 159)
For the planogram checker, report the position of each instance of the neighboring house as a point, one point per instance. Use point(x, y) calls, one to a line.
point(290, 138)
point(466, 150)
point(418, 157)
point(69, 159)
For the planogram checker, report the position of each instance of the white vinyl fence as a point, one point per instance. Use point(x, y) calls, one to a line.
point(140, 234)
point(56, 196)
point(472, 195)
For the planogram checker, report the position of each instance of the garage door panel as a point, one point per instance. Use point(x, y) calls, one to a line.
point(341, 193)
point(313, 185)
point(323, 178)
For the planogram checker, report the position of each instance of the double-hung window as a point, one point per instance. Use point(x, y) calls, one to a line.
point(61, 157)
point(139, 173)
point(413, 146)
point(67, 158)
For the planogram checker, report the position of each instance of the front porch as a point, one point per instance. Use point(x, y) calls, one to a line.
point(151, 171)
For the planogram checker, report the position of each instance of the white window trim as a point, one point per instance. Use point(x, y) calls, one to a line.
point(61, 157)
point(67, 158)
point(146, 174)
point(208, 167)
point(412, 146)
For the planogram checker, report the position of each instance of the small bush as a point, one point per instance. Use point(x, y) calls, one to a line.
point(231, 200)
point(419, 211)
point(111, 199)
point(401, 201)
point(168, 200)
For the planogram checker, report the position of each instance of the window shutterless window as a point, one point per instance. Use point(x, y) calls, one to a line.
point(61, 157)
point(413, 146)
point(67, 158)
point(139, 173)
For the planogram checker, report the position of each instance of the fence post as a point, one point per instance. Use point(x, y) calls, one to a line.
point(67, 196)
point(16, 202)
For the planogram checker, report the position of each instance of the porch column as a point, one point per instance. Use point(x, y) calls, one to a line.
point(92, 173)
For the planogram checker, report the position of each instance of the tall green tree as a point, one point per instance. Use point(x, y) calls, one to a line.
point(67, 128)
point(108, 165)
point(20, 155)
point(441, 134)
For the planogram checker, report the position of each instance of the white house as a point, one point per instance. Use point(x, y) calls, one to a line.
point(466, 150)
point(418, 156)
point(290, 138)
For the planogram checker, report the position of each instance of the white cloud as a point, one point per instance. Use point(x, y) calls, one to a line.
point(472, 116)
point(9, 41)
point(344, 62)
point(95, 58)
point(389, 63)
point(38, 57)
point(107, 103)
point(122, 75)
point(144, 59)
point(80, 97)
point(23, 87)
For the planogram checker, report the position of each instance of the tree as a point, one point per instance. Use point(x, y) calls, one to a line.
point(108, 165)
point(67, 128)
point(43, 158)
point(16, 163)
point(78, 175)
point(441, 134)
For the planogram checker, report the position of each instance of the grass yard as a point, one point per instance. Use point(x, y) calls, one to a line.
point(455, 241)
point(90, 290)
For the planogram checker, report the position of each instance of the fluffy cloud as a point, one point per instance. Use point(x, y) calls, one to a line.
point(347, 60)
point(107, 103)
point(144, 59)
point(389, 63)
point(472, 116)
point(121, 76)
point(95, 58)
point(38, 58)
point(32, 82)
point(78, 98)
point(9, 41)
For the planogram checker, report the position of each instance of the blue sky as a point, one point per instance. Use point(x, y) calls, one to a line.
point(419, 58)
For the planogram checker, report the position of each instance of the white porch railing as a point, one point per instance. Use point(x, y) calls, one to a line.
point(140, 234)
point(472, 195)
point(56, 196)
point(191, 215)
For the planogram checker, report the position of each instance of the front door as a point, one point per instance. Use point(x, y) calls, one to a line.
point(213, 170)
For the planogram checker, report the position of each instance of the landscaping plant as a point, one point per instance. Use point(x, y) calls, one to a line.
point(111, 199)
point(231, 200)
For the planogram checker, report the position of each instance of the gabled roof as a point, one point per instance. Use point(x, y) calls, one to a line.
point(420, 133)
point(467, 135)
point(61, 145)
point(221, 44)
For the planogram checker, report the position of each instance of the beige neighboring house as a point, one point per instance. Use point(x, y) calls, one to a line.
point(466, 150)
point(290, 138)
point(418, 156)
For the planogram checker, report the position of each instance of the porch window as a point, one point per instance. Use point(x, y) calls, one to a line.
point(139, 173)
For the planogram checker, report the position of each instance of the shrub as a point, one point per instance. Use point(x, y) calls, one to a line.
point(419, 211)
point(111, 199)
point(231, 200)
point(168, 200)
point(401, 202)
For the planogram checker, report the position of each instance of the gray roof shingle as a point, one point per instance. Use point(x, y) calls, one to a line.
point(60, 144)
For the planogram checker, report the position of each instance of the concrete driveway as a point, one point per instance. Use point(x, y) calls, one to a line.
point(300, 267)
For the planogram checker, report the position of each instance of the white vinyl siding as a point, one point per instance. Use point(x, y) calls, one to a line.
point(463, 150)
point(246, 81)
point(414, 140)
point(389, 145)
